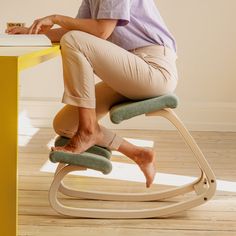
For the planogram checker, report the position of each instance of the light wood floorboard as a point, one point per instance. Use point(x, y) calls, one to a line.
point(217, 217)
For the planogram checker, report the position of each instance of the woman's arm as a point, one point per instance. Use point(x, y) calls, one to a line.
point(100, 28)
point(54, 35)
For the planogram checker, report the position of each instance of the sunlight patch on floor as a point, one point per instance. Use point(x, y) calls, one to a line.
point(25, 130)
point(127, 172)
point(51, 143)
point(131, 172)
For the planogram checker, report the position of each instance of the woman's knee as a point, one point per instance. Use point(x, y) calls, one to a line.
point(57, 126)
point(65, 123)
point(67, 40)
point(74, 39)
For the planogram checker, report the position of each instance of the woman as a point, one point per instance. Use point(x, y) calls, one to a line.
point(128, 46)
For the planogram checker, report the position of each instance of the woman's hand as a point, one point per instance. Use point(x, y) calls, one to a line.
point(42, 26)
point(17, 30)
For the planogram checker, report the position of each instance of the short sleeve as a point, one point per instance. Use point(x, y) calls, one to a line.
point(84, 10)
point(116, 10)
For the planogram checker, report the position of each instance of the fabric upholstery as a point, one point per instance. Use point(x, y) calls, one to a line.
point(85, 159)
point(127, 110)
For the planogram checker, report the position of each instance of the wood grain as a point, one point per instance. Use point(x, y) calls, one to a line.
point(217, 217)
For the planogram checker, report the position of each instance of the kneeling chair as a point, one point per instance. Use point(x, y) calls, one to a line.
point(98, 158)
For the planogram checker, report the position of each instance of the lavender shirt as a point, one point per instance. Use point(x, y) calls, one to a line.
point(139, 22)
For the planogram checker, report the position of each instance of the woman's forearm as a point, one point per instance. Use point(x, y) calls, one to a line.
point(99, 28)
point(55, 35)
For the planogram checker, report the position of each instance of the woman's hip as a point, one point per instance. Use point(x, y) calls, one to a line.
point(160, 58)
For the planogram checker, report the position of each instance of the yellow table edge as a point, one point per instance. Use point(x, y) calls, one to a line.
point(34, 58)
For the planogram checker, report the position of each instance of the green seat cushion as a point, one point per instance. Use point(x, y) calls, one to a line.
point(85, 159)
point(127, 110)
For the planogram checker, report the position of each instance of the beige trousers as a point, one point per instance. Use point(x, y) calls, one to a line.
point(138, 74)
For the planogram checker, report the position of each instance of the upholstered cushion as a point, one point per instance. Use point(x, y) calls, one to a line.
point(61, 141)
point(85, 159)
point(96, 157)
point(127, 110)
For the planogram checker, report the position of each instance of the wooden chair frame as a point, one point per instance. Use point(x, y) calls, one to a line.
point(204, 187)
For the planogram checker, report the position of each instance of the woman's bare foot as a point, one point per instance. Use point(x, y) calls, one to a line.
point(82, 141)
point(145, 158)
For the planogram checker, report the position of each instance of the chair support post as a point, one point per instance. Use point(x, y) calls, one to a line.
point(189, 140)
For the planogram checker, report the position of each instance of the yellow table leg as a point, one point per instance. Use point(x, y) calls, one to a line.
point(8, 145)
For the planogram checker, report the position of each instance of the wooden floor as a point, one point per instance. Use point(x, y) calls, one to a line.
point(217, 217)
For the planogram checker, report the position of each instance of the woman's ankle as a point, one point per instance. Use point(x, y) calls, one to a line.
point(89, 129)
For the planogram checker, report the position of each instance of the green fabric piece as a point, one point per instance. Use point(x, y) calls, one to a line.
point(127, 110)
point(102, 151)
point(85, 159)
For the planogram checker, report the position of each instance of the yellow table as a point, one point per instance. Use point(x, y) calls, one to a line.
point(12, 61)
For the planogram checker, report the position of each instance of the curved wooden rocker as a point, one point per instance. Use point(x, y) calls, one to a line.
point(97, 158)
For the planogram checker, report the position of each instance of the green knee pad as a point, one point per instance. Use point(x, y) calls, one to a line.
point(96, 157)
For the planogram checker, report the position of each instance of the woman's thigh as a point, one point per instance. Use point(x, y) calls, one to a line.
point(123, 71)
point(66, 120)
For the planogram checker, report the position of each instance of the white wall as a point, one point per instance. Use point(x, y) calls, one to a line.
point(206, 34)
